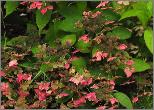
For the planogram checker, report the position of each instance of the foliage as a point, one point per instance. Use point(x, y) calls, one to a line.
point(82, 55)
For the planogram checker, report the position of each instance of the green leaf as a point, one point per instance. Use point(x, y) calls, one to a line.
point(68, 40)
point(109, 15)
point(42, 20)
point(79, 64)
point(68, 24)
point(139, 10)
point(71, 17)
point(83, 47)
point(120, 32)
point(149, 7)
point(149, 39)
point(10, 7)
point(123, 100)
point(140, 65)
point(52, 32)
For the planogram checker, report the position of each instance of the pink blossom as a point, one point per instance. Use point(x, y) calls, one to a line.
point(135, 99)
point(86, 82)
point(94, 86)
point(27, 77)
point(44, 85)
point(75, 51)
point(77, 79)
point(98, 56)
point(5, 88)
point(49, 7)
point(109, 22)
point(91, 96)
point(36, 4)
point(96, 14)
point(13, 63)
point(2, 73)
point(104, 55)
point(123, 2)
point(44, 10)
point(103, 3)
point(101, 108)
point(79, 102)
point(85, 38)
point(67, 65)
point(122, 47)
point(129, 62)
point(111, 59)
point(41, 95)
point(113, 100)
point(61, 75)
point(21, 77)
point(128, 71)
point(23, 3)
point(23, 93)
point(62, 95)
point(112, 83)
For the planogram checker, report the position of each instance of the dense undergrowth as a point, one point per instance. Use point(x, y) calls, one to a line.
point(85, 55)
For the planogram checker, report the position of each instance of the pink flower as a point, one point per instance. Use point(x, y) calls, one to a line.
point(61, 75)
point(109, 22)
point(123, 2)
point(67, 65)
point(122, 47)
point(21, 77)
point(135, 99)
point(5, 88)
point(44, 86)
point(23, 3)
point(112, 83)
point(113, 100)
point(103, 3)
point(75, 51)
point(36, 4)
point(2, 73)
point(104, 55)
point(79, 102)
point(96, 14)
point(94, 86)
point(128, 71)
point(98, 56)
point(13, 63)
point(49, 7)
point(85, 38)
point(86, 82)
point(111, 59)
point(91, 96)
point(62, 95)
point(44, 10)
point(77, 79)
point(23, 93)
point(101, 108)
point(27, 77)
point(41, 95)
point(129, 62)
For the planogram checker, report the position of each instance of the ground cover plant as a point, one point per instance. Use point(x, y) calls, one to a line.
point(76, 55)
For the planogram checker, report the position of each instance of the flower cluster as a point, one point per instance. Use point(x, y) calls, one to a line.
point(38, 5)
